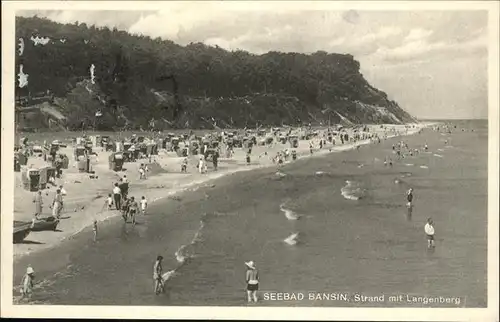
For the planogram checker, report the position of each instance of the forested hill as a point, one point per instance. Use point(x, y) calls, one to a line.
point(139, 79)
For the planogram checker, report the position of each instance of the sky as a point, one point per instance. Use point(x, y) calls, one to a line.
point(433, 63)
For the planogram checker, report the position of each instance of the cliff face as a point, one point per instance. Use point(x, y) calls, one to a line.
point(139, 82)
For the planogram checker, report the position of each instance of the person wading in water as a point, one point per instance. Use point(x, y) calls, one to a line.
point(27, 283)
point(409, 204)
point(38, 201)
point(157, 276)
point(57, 204)
point(252, 280)
point(429, 231)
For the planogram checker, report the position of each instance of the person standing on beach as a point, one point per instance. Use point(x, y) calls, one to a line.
point(184, 165)
point(63, 191)
point(142, 173)
point(117, 195)
point(109, 202)
point(57, 204)
point(27, 283)
point(429, 231)
point(252, 280)
point(38, 201)
point(123, 189)
point(132, 209)
point(144, 205)
point(158, 275)
point(125, 205)
point(215, 159)
point(201, 165)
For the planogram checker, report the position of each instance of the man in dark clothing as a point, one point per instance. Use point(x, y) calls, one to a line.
point(215, 159)
point(124, 189)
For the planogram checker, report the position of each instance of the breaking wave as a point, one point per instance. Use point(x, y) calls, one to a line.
point(352, 191)
point(289, 214)
point(292, 239)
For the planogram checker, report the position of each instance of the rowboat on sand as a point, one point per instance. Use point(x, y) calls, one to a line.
point(47, 223)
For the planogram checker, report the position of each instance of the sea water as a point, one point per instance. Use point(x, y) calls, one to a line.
point(351, 239)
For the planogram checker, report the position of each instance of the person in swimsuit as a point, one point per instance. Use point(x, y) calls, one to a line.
point(132, 209)
point(157, 275)
point(252, 280)
point(125, 207)
point(144, 205)
point(429, 231)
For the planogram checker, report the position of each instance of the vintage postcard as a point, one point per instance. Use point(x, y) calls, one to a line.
point(250, 160)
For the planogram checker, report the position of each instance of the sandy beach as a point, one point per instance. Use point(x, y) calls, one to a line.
point(85, 197)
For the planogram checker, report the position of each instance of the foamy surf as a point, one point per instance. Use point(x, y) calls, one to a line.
point(351, 191)
point(440, 150)
point(289, 214)
point(280, 174)
point(168, 275)
point(424, 167)
point(409, 164)
point(438, 155)
point(180, 255)
point(292, 239)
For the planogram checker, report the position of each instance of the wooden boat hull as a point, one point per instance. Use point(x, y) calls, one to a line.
point(45, 224)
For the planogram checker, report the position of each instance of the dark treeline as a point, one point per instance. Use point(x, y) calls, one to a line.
point(139, 79)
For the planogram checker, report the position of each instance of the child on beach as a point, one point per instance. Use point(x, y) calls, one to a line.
point(27, 283)
point(184, 165)
point(409, 204)
point(109, 202)
point(38, 201)
point(144, 205)
point(158, 275)
point(142, 172)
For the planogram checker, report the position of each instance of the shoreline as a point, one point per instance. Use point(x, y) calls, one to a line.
point(186, 183)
